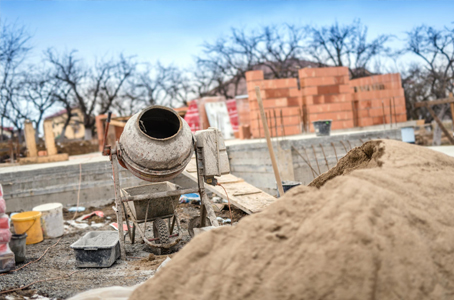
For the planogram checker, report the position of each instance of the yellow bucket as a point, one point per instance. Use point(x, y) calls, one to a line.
point(29, 222)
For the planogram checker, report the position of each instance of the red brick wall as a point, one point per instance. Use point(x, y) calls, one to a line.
point(327, 96)
point(280, 97)
point(380, 98)
point(324, 93)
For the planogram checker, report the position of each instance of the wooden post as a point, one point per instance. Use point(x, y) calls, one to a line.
point(258, 125)
point(452, 111)
point(29, 132)
point(384, 117)
point(268, 141)
point(49, 138)
point(445, 131)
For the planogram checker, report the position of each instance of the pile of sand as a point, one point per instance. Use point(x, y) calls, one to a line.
point(381, 226)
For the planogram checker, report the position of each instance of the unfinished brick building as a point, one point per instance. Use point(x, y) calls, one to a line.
point(324, 94)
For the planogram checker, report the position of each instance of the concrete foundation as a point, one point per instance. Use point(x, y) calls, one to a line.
point(251, 161)
point(28, 186)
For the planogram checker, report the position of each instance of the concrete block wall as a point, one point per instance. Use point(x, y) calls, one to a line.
point(321, 94)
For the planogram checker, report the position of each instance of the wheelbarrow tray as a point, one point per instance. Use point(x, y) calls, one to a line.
point(157, 208)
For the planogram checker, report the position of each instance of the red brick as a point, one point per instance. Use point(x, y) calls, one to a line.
point(322, 72)
point(337, 98)
point(308, 91)
point(328, 89)
point(244, 132)
point(294, 92)
point(320, 81)
point(363, 122)
point(254, 75)
point(277, 93)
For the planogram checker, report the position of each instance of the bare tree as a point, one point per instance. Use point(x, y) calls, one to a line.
point(278, 50)
point(346, 45)
point(95, 89)
point(435, 49)
point(14, 48)
point(38, 90)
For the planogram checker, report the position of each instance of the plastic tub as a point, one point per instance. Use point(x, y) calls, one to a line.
point(17, 245)
point(51, 219)
point(29, 222)
point(322, 127)
point(97, 249)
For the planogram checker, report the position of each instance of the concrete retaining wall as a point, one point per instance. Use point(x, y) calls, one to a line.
point(252, 161)
point(28, 186)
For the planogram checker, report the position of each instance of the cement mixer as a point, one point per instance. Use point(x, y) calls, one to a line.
point(156, 146)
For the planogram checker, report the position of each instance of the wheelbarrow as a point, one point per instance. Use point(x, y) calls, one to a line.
point(156, 211)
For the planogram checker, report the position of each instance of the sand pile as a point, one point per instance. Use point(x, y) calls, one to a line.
point(381, 226)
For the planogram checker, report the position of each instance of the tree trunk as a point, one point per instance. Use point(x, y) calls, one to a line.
point(61, 138)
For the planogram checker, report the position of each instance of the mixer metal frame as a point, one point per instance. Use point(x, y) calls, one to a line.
point(206, 210)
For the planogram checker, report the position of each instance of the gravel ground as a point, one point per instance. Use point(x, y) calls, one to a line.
point(60, 261)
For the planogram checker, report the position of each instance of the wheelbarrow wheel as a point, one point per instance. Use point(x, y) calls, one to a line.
point(161, 232)
point(195, 223)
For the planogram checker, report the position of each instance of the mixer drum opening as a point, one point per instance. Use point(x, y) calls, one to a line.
point(159, 123)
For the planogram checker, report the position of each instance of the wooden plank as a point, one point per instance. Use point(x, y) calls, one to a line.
point(434, 102)
point(30, 141)
point(442, 127)
point(49, 138)
point(117, 123)
point(242, 195)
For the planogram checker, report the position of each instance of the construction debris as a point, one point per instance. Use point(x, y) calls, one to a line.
point(379, 226)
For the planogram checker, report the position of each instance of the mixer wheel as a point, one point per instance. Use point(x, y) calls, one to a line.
point(161, 231)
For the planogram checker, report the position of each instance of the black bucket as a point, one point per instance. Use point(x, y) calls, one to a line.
point(286, 185)
point(17, 245)
point(322, 127)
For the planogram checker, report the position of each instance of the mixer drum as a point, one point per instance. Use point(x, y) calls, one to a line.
point(156, 144)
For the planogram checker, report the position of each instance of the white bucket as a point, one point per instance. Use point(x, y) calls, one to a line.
point(51, 219)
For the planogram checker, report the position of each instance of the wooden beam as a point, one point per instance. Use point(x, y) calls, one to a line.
point(442, 127)
point(49, 138)
point(117, 123)
point(434, 102)
point(30, 141)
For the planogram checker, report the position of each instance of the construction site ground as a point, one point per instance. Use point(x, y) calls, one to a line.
point(59, 261)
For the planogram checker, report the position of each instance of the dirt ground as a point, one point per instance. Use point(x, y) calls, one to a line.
point(60, 260)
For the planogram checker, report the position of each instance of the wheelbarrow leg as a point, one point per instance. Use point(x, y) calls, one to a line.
point(127, 223)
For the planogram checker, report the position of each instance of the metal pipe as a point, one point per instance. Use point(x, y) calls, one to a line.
point(160, 195)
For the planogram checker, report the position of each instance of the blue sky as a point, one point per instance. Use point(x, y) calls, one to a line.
point(173, 31)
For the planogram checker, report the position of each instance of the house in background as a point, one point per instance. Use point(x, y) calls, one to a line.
point(7, 133)
point(75, 128)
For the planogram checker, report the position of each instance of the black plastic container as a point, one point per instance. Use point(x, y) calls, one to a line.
point(97, 249)
point(17, 245)
point(322, 127)
point(286, 185)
